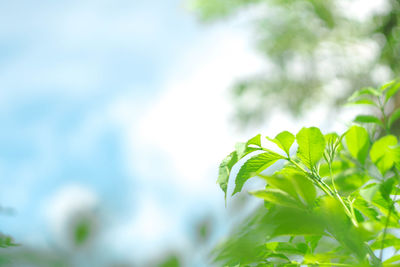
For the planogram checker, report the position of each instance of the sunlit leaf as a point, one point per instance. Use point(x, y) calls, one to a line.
point(394, 88)
point(311, 146)
point(363, 101)
point(254, 166)
point(368, 119)
point(365, 91)
point(387, 85)
point(284, 140)
point(277, 197)
point(243, 149)
point(225, 169)
point(383, 154)
point(357, 141)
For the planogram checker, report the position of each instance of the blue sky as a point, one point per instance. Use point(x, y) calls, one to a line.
point(103, 98)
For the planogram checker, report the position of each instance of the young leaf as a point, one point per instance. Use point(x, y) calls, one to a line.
point(368, 119)
point(357, 141)
point(392, 91)
point(311, 146)
point(225, 169)
point(383, 154)
point(254, 166)
point(363, 101)
point(278, 197)
point(394, 117)
point(387, 85)
point(365, 91)
point(284, 140)
point(243, 149)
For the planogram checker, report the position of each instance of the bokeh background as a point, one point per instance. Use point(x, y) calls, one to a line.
point(115, 114)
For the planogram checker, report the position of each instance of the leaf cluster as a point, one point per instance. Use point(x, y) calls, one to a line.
point(332, 203)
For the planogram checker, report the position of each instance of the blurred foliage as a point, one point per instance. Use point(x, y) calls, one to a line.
point(315, 51)
point(333, 203)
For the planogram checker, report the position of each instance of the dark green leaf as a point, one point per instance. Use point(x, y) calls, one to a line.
point(386, 188)
point(311, 146)
point(394, 117)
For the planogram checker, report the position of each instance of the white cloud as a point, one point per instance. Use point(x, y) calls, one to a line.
point(179, 137)
point(63, 204)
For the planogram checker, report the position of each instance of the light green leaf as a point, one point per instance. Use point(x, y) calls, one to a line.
point(383, 154)
point(243, 149)
point(394, 87)
point(357, 141)
point(394, 117)
point(366, 208)
point(304, 188)
point(284, 247)
point(387, 85)
point(369, 191)
point(363, 101)
point(256, 140)
point(284, 140)
point(311, 146)
point(225, 169)
point(277, 197)
point(368, 119)
point(393, 259)
point(365, 91)
point(293, 183)
point(254, 166)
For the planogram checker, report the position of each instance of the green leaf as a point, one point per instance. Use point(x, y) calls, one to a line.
point(368, 119)
point(311, 146)
point(357, 141)
point(254, 166)
point(293, 183)
point(366, 208)
point(393, 259)
point(284, 247)
point(256, 140)
point(363, 101)
point(383, 154)
point(394, 117)
point(243, 149)
point(284, 140)
point(386, 188)
point(369, 191)
point(277, 197)
point(392, 91)
point(305, 188)
point(225, 169)
point(365, 91)
point(387, 85)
